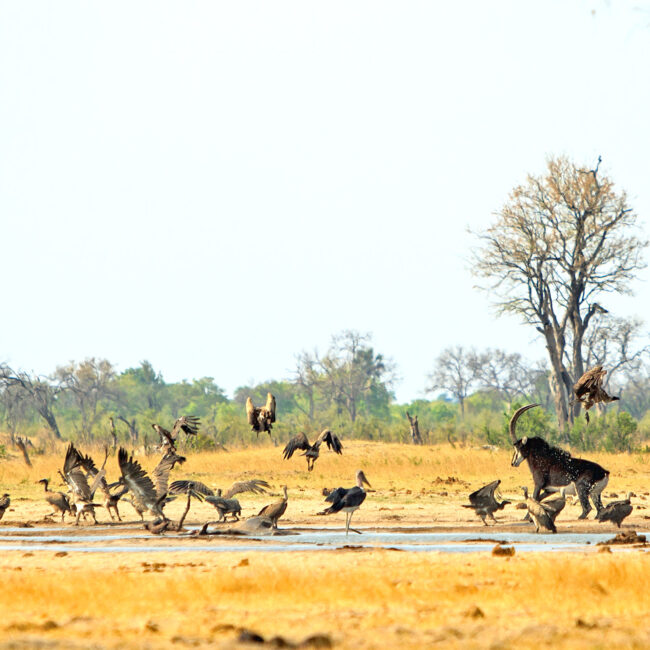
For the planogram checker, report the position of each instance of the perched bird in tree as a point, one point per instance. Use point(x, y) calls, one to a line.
point(589, 390)
point(312, 451)
point(541, 515)
point(189, 424)
point(348, 500)
point(261, 418)
point(616, 511)
point(275, 510)
point(5, 502)
point(484, 503)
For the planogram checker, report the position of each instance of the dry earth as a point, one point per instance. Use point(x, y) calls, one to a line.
point(355, 597)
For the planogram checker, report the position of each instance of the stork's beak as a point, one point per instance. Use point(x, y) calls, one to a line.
point(365, 480)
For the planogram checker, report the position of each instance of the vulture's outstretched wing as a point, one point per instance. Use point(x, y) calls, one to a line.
point(183, 486)
point(74, 476)
point(256, 486)
point(297, 442)
point(165, 436)
point(136, 479)
point(188, 424)
point(162, 469)
point(251, 412)
point(590, 381)
point(484, 494)
point(332, 441)
point(270, 407)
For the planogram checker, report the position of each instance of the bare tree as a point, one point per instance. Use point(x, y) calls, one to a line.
point(38, 392)
point(507, 374)
point(457, 372)
point(561, 242)
point(351, 371)
point(88, 382)
point(307, 379)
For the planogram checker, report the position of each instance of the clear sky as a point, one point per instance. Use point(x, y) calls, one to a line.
point(217, 186)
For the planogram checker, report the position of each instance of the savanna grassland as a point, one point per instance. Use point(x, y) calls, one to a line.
point(355, 597)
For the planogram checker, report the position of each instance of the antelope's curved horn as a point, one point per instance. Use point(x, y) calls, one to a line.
point(515, 417)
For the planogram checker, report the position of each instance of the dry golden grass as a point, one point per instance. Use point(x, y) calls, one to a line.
point(361, 599)
point(366, 599)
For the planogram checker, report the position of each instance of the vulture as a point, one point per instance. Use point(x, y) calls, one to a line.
point(312, 451)
point(542, 515)
point(348, 500)
point(589, 390)
point(275, 510)
point(189, 424)
point(224, 503)
point(616, 511)
point(261, 418)
point(5, 502)
point(57, 500)
point(484, 503)
point(82, 494)
point(145, 494)
point(111, 499)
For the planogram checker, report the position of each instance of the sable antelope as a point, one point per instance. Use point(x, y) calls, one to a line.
point(347, 499)
point(616, 511)
point(57, 500)
point(189, 424)
point(5, 502)
point(540, 514)
point(275, 510)
point(589, 390)
point(224, 503)
point(82, 494)
point(261, 418)
point(484, 502)
point(146, 495)
point(553, 467)
point(312, 451)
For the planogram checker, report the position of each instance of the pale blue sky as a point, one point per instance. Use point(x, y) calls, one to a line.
point(216, 186)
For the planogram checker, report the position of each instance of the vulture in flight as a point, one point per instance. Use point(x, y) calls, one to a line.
point(189, 424)
point(312, 451)
point(261, 418)
point(82, 494)
point(589, 389)
point(484, 503)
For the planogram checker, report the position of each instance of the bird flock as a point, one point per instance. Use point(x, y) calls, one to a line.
point(148, 495)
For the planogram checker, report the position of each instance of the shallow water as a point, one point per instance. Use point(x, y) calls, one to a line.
point(470, 542)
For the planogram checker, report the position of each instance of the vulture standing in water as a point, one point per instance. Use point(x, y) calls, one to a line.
point(189, 424)
point(484, 502)
point(589, 389)
point(348, 500)
point(616, 511)
point(261, 418)
point(275, 510)
point(312, 451)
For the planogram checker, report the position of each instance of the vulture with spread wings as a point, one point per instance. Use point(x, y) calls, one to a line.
point(589, 389)
point(261, 418)
point(189, 424)
point(484, 502)
point(224, 503)
point(312, 452)
point(147, 495)
point(81, 493)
